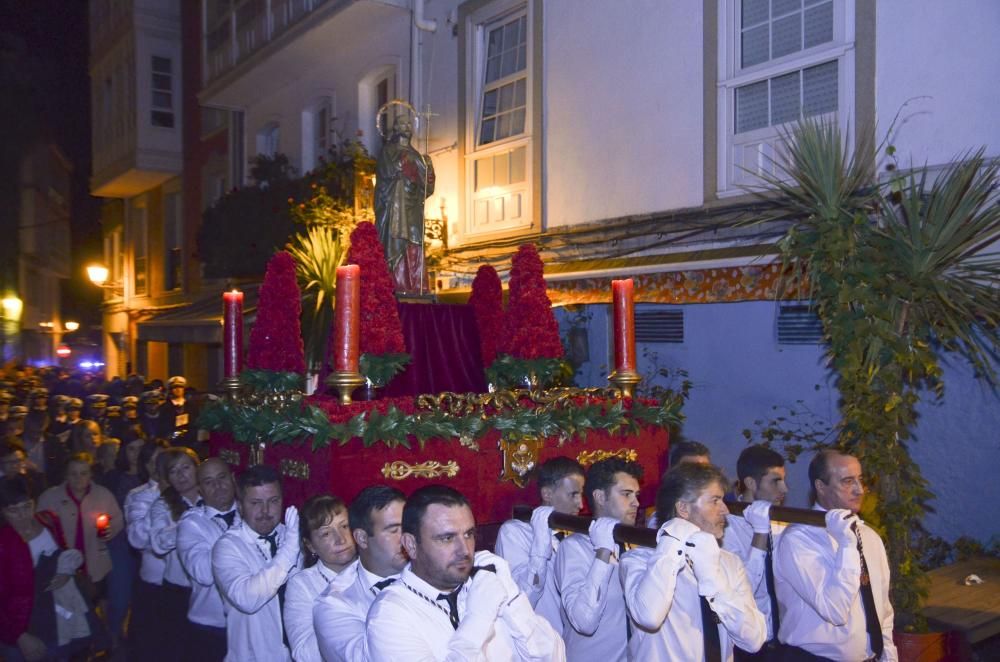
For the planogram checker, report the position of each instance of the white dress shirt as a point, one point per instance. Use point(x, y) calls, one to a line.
point(137, 506)
point(819, 593)
point(514, 546)
point(593, 605)
point(197, 533)
point(408, 623)
point(738, 539)
point(303, 589)
point(163, 540)
point(249, 579)
point(662, 597)
point(340, 611)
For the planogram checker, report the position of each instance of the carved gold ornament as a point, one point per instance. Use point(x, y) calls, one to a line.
point(587, 458)
point(294, 469)
point(398, 470)
point(520, 456)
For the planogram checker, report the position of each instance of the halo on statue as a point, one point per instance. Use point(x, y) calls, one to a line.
point(382, 113)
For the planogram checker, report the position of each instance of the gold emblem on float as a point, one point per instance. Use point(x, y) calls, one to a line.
point(399, 470)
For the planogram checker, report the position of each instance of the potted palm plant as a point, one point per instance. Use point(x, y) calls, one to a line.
point(902, 270)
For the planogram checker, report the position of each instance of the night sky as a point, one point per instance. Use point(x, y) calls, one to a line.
point(45, 91)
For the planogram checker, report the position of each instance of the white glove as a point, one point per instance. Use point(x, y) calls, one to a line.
point(839, 524)
point(541, 534)
point(68, 562)
point(484, 558)
point(289, 549)
point(704, 552)
point(758, 515)
point(678, 528)
point(602, 533)
point(487, 594)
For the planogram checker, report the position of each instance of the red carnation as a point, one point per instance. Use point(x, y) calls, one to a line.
point(276, 338)
point(530, 330)
point(381, 331)
point(487, 306)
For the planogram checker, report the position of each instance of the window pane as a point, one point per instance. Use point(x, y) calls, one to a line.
point(161, 82)
point(755, 45)
point(486, 133)
point(492, 69)
point(503, 126)
point(517, 123)
point(786, 36)
point(161, 99)
point(751, 107)
point(495, 42)
point(484, 173)
point(519, 93)
point(780, 7)
point(517, 173)
point(501, 169)
point(522, 57)
point(819, 25)
point(161, 64)
point(490, 103)
point(509, 63)
point(753, 12)
point(507, 97)
point(819, 89)
point(785, 98)
point(163, 119)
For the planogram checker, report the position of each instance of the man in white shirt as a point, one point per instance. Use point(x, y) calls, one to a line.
point(197, 533)
point(251, 563)
point(595, 626)
point(530, 548)
point(339, 614)
point(833, 583)
point(688, 598)
point(440, 608)
point(753, 537)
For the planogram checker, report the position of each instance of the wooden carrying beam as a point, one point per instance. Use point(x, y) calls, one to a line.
point(645, 537)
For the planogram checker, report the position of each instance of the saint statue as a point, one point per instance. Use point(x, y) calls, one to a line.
point(404, 179)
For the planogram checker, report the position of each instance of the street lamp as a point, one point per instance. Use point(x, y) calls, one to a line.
point(98, 275)
point(72, 326)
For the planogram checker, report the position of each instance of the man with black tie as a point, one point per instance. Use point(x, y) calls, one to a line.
point(833, 583)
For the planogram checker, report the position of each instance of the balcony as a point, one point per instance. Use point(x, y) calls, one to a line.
point(250, 42)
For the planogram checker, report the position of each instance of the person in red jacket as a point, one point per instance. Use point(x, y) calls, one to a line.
point(37, 576)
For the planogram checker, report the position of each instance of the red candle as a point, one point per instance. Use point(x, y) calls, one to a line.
point(232, 332)
point(347, 319)
point(103, 522)
point(622, 293)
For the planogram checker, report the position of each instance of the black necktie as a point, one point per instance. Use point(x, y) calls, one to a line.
point(710, 632)
point(272, 541)
point(560, 535)
point(452, 599)
point(384, 583)
point(229, 518)
point(872, 624)
point(769, 580)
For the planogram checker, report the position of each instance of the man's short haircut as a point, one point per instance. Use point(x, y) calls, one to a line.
point(682, 449)
point(819, 469)
point(370, 499)
point(420, 500)
point(552, 471)
point(601, 475)
point(684, 483)
point(755, 461)
point(13, 490)
point(257, 475)
point(10, 446)
point(83, 457)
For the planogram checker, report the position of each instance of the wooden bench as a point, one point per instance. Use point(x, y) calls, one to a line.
point(973, 610)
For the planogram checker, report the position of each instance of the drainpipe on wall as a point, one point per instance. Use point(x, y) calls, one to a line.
point(419, 24)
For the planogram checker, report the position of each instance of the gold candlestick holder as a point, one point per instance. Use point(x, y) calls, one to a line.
point(231, 385)
point(625, 382)
point(345, 382)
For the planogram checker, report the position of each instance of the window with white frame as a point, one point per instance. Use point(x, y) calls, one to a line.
point(316, 131)
point(173, 239)
point(114, 257)
point(162, 113)
point(498, 162)
point(375, 89)
point(140, 248)
point(779, 61)
point(269, 139)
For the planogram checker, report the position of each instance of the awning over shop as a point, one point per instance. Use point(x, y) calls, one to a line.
point(197, 322)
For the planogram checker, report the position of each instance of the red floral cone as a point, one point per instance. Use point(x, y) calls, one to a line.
point(381, 331)
point(487, 306)
point(530, 330)
point(276, 337)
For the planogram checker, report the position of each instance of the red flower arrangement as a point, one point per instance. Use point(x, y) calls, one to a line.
point(487, 306)
point(530, 330)
point(276, 336)
point(381, 330)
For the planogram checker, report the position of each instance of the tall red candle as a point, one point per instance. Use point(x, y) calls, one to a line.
point(347, 319)
point(232, 333)
point(622, 293)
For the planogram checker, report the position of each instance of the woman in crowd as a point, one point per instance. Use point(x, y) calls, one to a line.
point(177, 470)
point(86, 437)
point(43, 614)
point(328, 548)
point(89, 515)
point(145, 633)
